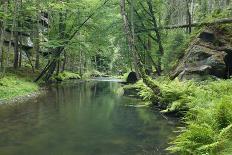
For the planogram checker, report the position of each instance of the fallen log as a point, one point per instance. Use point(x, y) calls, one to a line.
point(218, 21)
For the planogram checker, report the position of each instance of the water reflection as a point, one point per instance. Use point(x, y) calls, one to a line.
point(85, 118)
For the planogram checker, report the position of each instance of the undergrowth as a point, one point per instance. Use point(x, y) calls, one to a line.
point(12, 86)
point(207, 110)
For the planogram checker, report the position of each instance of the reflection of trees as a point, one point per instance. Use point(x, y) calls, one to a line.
point(79, 111)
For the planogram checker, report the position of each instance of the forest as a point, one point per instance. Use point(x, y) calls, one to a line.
point(173, 55)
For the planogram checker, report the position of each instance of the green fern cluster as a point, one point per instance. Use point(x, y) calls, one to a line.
point(209, 117)
point(208, 114)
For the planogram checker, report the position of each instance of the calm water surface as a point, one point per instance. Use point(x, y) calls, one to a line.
point(82, 118)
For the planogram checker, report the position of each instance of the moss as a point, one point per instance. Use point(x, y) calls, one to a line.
point(66, 76)
point(12, 86)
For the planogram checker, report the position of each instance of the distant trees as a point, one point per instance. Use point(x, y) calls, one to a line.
point(53, 36)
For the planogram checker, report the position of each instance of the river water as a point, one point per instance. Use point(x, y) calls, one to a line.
point(83, 118)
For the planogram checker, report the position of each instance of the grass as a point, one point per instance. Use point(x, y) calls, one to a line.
point(12, 86)
point(206, 108)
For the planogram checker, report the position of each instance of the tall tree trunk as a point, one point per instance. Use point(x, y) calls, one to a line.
point(20, 50)
point(64, 61)
point(80, 62)
point(129, 36)
point(189, 16)
point(158, 35)
point(37, 40)
point(2, 37)
point(58, 67)
point(16, 37)
point(16, 50)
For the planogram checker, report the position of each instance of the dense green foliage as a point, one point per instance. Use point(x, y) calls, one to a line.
point(66, 39)
point(207, 110)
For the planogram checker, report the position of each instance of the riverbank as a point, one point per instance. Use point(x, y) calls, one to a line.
point(206, 109)
point(18, 86)
point(13, 86)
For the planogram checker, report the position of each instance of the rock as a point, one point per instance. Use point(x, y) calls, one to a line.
point(26, 40)
point(210, 54)
point(132, 78)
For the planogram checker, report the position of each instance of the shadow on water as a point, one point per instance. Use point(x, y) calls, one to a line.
point(85, 118)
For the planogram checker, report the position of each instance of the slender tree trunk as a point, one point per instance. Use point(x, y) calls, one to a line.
point(37, 40)
point(146, 79)
point(20, 51)
point(130, 36)
point(189, 16)
point(58, 67)
point(16, 50)
point(2, 37)
point(64, 61)
point(16, 37)
point(80, 62)
point(158, 35)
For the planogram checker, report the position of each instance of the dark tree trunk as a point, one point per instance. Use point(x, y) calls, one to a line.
point(37, 41)
point(16, 49)
point(64, 61)
point(158, 35)
point(189, 17)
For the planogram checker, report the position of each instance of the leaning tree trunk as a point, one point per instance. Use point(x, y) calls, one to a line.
point(49, 68)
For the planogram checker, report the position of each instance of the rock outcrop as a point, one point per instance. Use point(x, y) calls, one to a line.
point(210, 54)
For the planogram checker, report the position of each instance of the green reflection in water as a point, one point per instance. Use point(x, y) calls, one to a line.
point(82, 119)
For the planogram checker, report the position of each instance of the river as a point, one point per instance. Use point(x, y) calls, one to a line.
point(83, 118)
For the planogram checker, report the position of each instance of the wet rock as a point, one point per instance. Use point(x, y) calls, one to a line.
point(132, 78)
point(210, 54)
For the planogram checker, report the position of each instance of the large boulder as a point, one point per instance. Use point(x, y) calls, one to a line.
point(209, 54)
point(132, 78)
